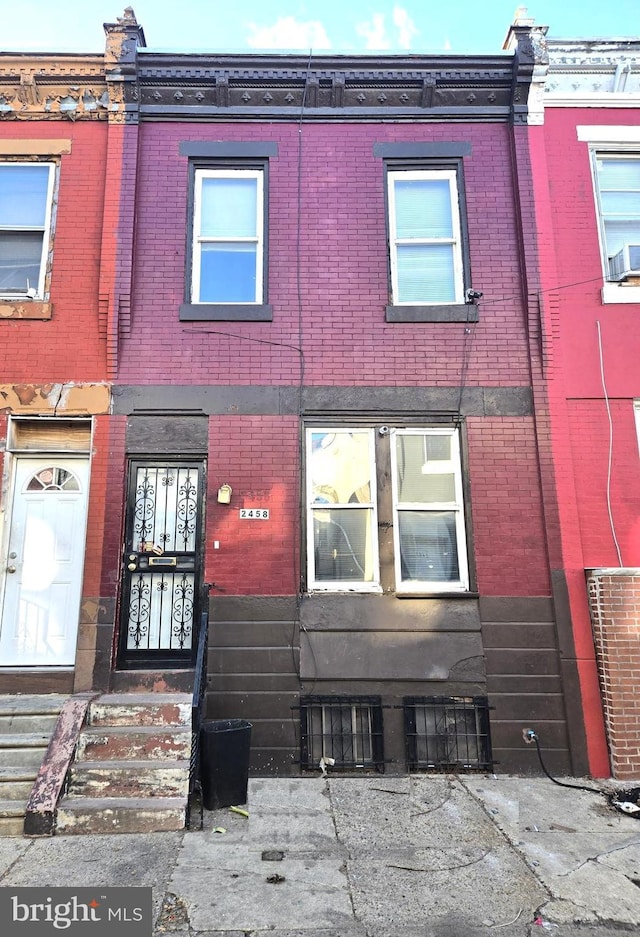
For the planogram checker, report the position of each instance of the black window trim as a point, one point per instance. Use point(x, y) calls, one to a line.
point(426, 156)
point(226, 154)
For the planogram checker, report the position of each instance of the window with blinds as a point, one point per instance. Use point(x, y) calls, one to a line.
point(429, 536)
point(425, 237)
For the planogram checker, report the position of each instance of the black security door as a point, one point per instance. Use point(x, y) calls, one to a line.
point(162, 561)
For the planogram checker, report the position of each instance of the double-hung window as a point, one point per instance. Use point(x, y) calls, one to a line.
point(429, 535)
point(26, 199)
point(342, 511)
point(425, 241)
point(618, 190)
point(347, 511)
point(228, 236)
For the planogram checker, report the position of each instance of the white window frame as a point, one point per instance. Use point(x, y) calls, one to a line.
point(636, 413)
point(454, 466)
point(198, 240)
point(337, 585)
point(610, 140)
point(36, 291)
point(410, 175)
point(596, 155)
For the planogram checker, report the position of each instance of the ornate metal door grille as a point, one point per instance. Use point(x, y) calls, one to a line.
point(161, 575)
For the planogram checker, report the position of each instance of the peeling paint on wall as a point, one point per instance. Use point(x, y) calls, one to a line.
point(56, 399)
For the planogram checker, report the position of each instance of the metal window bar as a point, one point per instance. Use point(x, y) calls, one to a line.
point(447, 733)
point(194, 802)
point(346, 728)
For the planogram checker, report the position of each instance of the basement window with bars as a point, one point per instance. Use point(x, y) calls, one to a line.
point(447, 733)
point(345, 728)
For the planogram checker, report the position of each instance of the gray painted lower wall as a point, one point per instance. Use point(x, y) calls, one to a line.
point(265, 652)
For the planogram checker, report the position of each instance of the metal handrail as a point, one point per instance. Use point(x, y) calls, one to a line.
point(199, 688)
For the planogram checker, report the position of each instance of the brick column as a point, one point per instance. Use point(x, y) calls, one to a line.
point(614, 599)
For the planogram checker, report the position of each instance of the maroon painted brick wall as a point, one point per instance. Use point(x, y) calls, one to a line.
point(340, 256)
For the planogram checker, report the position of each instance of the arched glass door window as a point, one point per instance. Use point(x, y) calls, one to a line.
point(53, 478)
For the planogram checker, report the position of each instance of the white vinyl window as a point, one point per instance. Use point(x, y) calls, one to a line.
point(425, 501)
point(425, 237)
point(428, 530)
point(228, 236)
point(342, 527)
point(618, 191)
point(26, 198)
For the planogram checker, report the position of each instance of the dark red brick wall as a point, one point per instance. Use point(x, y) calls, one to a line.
point(259, 457)
point(508, 524)
point(67, 347)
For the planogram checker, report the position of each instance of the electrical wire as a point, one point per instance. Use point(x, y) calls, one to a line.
point(610, 458)
point(532, 737)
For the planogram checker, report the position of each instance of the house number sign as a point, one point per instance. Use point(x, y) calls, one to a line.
point(254, 514)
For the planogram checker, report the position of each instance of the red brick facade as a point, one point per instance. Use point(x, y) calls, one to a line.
point(614, 597)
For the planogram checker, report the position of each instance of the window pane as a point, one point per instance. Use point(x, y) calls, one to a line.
point(342, 544)
point(626, 204)
point(23, 196)
point(417, 480)
point(425, 273)
point(228, 273)
point(619, 233)
point(229, 208)
point(423, 208)
point(619, 174)
point(428, 549)
point(20, 256)
point(340, 468)
point(438, 448)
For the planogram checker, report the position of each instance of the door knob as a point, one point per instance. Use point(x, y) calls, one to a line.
point(131, 567)
point(11, 569)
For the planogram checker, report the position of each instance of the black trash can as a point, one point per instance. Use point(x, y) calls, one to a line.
point(224, 762)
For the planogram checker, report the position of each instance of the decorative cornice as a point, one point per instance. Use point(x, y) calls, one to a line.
point(130, 83)
point(607, 70)
point(48, 87)
point(280, 87)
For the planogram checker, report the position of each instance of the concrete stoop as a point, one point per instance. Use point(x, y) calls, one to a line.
point(26, 724)
point(130, 772)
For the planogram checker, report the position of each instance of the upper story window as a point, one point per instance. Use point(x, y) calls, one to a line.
point(349, 515)
point(618, 188)
point(227, 244)
point(425, 237)
point(228, 236)
point(26, 199)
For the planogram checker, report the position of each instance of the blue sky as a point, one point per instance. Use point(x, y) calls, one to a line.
point(359, 26)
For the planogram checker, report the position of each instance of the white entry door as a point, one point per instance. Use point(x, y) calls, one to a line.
point(44, 563)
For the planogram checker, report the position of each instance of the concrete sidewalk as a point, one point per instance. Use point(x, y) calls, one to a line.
point(375, 856)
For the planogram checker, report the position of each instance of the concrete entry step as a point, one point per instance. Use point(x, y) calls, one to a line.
point(131, 767)
point(143, 709)
point(78, 815)
point(130, 779)
point(133, 742)
point(26, 724)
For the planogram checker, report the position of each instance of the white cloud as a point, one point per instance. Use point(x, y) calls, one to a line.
point(374, 32)
point(289, 33)
point(406, 27)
